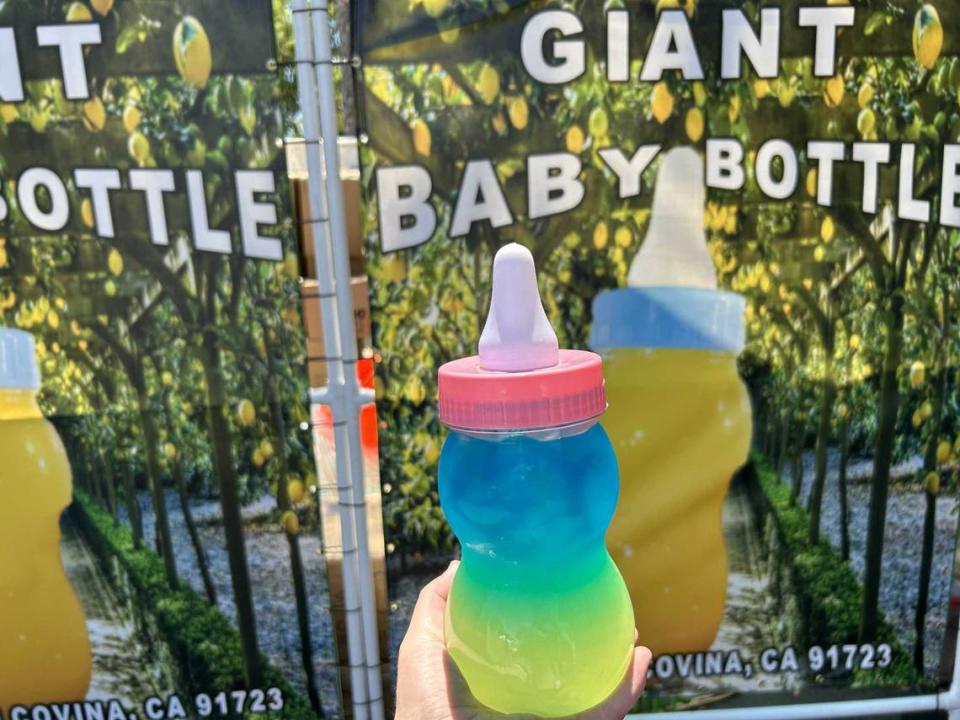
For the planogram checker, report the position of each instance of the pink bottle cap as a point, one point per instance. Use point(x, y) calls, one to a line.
point(520, 380)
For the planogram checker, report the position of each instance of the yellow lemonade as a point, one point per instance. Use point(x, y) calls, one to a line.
point(45, 654)
point(680, 422)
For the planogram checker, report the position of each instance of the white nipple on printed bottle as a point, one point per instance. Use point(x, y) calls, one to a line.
point(517, 336)
point(674, 252)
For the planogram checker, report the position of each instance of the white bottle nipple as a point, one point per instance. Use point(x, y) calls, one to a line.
point(517, 336)
point(674, 252)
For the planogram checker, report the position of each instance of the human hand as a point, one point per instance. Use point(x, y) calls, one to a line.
point(430, 687)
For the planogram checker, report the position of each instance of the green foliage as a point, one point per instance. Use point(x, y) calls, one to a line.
point(205, 645)
point(829, 593)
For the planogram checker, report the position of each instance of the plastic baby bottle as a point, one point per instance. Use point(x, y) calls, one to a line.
point(679, 418)
point(538, 619)
point(45, 654)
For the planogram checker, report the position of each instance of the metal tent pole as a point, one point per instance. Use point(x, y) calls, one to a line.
point(335, 394)
point(354, 397)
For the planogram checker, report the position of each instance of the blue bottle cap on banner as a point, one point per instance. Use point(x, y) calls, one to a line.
point(18, 361)
point(669, 317)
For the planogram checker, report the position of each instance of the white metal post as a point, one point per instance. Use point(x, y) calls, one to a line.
point(354, 396)
point(367, 702)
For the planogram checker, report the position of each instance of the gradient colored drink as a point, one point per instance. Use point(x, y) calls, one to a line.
point(538, 618)
point(44, 648)
point(679, 418)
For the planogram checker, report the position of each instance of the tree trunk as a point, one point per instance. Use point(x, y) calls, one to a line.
point(923, 594)
point(879, 485)
point(133, 505)
point(108, 482)
point(829, 392)
point(293, 540)
point(796, 474)
point(181, 484)
point(842, 489)
point(929, 521)
point(151, 440)
point(784, 438)
point(230, 504)
point(347, 86)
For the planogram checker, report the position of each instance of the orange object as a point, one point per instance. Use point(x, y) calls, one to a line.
point(368, 414)
point(45, 654)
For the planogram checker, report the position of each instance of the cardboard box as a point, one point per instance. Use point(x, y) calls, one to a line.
point(313, 325)
point(350, 182)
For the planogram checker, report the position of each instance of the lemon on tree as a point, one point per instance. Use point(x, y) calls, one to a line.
point(94, 114)
point(761, 88)
point(575, 139)
point(854, 342)
point(139, 147)
point(488, 84)
point(115, 262)
point(623, 237)
point(290, 522)
point(246, 413)
point(435, 8)
point(191, 52)
point(693, 124)
point(78, 12)
point(86, 212)
point(866, 122)
point(827, 229)
point(601, 233)
point(102, 6)
point(661, 102)
point(688, 6)
point(170, 451)
point(8, 111)
point(931, 483)
point(295, 490)
point(918, 373)
point(519, 113)
point(842, 411)
point(833, 91)
point(166, 379)
point(422, 139)
point(811, 183)
point(926, 409)
point(598, 123)
point(944, 452)
point(787, 92)
point(865, 95)
point(131, 118)
point(266, 449)
point(927, 36)
point(415, 391)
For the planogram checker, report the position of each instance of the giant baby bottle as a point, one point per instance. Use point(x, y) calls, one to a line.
point(679, 417)
point(538, 618)
point(44, 648)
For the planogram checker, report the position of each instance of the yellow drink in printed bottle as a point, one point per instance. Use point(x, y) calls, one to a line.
point(679, 417)
point(44, 648)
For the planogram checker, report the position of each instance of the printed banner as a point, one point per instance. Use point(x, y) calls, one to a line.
point(752, 213)
point(160, 546)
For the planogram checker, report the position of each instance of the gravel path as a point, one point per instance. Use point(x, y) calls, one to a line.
point(122, 669)
point(274, 605)
point(906, 507)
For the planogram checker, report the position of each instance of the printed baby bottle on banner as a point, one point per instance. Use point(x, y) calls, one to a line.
point(538, 619)
point(679, 418)
point(44, 648)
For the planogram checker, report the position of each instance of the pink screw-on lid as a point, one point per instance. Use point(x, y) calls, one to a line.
point(520, 380)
